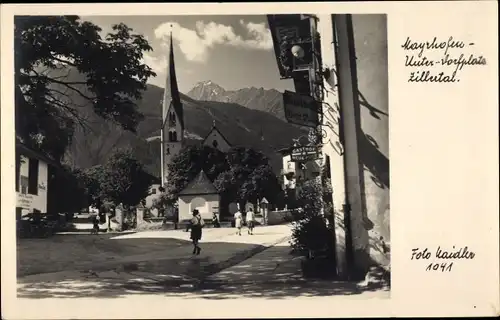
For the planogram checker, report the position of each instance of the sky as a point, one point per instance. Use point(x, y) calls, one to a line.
point(233, 51)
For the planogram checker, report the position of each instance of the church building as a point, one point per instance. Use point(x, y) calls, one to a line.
point(173, 126)
point(215, 139)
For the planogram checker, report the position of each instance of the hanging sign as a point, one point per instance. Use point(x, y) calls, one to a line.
point(300, 109)
point(292, 43)
point(305, 153)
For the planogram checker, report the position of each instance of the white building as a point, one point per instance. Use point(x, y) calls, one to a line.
point(32, 173)
point(154, 194)
point(199, 194)
point(296, 172)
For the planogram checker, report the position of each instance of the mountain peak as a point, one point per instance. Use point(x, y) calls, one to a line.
point(207, 83)
point(257, 98)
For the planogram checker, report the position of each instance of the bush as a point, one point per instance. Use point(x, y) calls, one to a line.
point(310, 233)
point(40, 225)
point(129, 219)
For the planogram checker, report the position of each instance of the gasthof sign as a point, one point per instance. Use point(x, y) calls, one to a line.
point(305, 153)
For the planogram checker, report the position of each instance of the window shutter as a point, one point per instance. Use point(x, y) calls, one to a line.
point(33, 176)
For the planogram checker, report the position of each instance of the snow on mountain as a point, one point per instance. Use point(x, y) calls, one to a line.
point(270, 101)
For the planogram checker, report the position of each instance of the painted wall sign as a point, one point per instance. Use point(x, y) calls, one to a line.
point(24, 200)
point(300, 109)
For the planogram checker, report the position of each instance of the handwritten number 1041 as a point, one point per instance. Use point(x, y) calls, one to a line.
point(443, 267)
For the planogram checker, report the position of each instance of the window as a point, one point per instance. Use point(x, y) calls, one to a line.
point(33, 176)
point(168, 150)
point(198, 203)
point(215, 143)
point(18, 171)
point(24, 184)
point(172, 136)
point(153, 191)
point(172, 118)
point(327, 167)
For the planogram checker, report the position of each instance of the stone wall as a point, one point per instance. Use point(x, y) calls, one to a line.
point(277, 217)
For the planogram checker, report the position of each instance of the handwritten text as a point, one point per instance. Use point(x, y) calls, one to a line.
point(439, 61)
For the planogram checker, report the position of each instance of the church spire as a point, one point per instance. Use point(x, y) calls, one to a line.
point(171, 95)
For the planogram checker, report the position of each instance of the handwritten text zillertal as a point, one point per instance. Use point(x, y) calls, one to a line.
point(439, 60)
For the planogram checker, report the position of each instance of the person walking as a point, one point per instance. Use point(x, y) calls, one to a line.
point(215, 220)
point(238, 221)
point(250, 220)
point(196, 224)
point(95, 223)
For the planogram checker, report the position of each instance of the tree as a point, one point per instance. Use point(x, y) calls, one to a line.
point(188, 163)
point(262, 182)
point(66, 192)
point(62, 64)
point(124, 180)
point(249, 177)
point(242, 174)
point(91, 179)
point(121, 179)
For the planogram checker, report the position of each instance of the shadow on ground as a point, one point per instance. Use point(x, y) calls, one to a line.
point(271, 275)
point(70, 252)
point(107, 288)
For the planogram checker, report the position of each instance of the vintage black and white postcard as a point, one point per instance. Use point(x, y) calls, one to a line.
point(242, 160)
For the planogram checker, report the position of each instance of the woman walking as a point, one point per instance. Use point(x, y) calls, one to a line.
point(238, 221)
point(196, 225)
point(250, 220)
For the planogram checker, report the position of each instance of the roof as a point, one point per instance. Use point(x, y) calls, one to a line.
point(36, 154)
point(171, 95)
point(214, 128)
point(199, 185)
point(154, 179)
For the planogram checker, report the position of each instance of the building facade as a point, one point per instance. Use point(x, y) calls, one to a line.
point(351, 73)
point(215, 139)
point(32, 175)
point(354, 49)
point(199, 194)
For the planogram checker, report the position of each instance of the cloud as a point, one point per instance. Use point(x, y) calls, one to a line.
point(195, 44)
point(158, 64)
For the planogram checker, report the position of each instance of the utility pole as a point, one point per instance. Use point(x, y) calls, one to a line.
point(346, 56)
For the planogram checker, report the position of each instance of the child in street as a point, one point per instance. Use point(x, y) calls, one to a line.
point(238, 221)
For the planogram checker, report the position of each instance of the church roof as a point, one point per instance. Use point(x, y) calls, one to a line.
point(214, 128)
point(171, 95)
point(199, 185)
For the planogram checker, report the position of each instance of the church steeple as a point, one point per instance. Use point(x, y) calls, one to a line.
point(172, 129)
point(171, 95)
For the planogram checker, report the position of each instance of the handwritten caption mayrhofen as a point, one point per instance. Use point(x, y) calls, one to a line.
point(442, 259)
point(440, 60)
